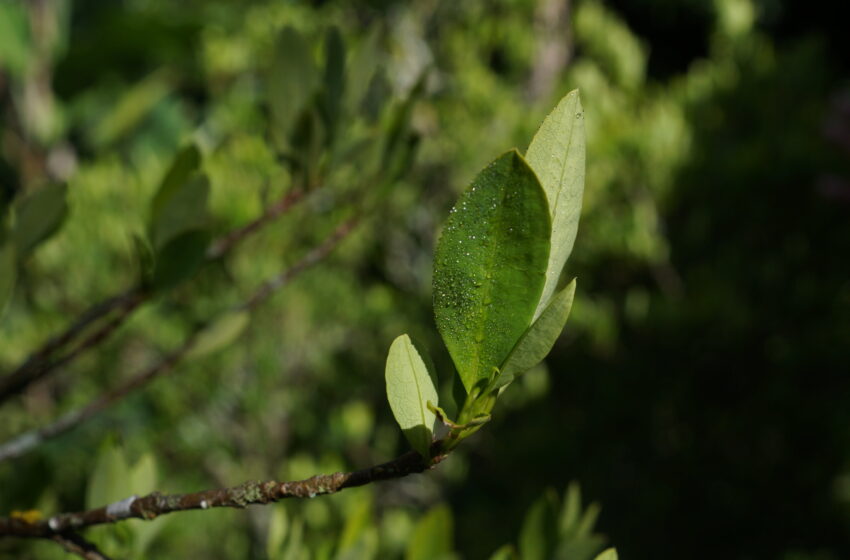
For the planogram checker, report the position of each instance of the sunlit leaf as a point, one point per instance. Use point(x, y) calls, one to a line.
point(490, 266)
point(432, 536)
point(109, 481)
point(278, 527)
point(557, 156)
point(409, 388)
point(38, 216)
point(538, 339)
point(219, 334)
point(609, 554)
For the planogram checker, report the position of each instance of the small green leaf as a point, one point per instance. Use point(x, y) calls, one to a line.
point(409, 388)
point(556, 154)
point(185, 164)
point(8, 272)
point(609, 554)
point(506, 552)
point(432, 536)
point(538, 536)
point(490, 266)
point(292, 81)
point(180, 258)
point(183, 210)
point(39, 216)
point(540, 337)
point(219, 334)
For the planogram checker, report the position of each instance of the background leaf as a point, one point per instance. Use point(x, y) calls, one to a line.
point(489, 266)
point(292, 81)
point(539, 530)
point(8, 271)
point(39, 216)
point(432, 537)
point(557, 156)
point(219, 334)
point(609, 554)
point(183, 210)
point(409, 388)
point(538, 339)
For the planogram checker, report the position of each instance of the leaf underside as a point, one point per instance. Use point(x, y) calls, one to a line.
point(409, 388)
point(557, 154)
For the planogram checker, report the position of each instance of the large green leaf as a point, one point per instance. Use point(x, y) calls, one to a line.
point(538, 339)
point(38, 216)
point(490, 266)
point(292, 80)
point(557, 156)
point(432, 537)
point(409, 388)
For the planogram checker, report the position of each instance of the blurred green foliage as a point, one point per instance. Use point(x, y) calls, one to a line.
point(700, 392)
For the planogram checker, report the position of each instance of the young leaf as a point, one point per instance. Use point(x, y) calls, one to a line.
point(219, 334)
point(538, 339)
point(490, 266)
point(292, 79)
point(409, 388)
point(38, 217)
point(539, 530)
point(609, 554)
point(7, 274)
point(432, 537)
point(556, 154)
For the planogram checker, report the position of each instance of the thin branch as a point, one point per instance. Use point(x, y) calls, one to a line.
point(75, 544)
point(28, 441)
point(250, 493)
point(42, 361)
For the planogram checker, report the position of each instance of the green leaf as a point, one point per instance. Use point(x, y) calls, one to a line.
point(432, 536)
point(506, 552)
point(540, 337)
point(39, 216)
point(538, 536)
point(278, 526)
point(334, 78)
point(557, 156)
point(183, 210)
point(292, 81)
point(409, 388)
point(185, 163)
point(219, 333)
point(109, 481)
point(358, 522)
point(609, 554)
point(361, 69)
point(180, 258)
point(8, 272)
point(490, 266)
